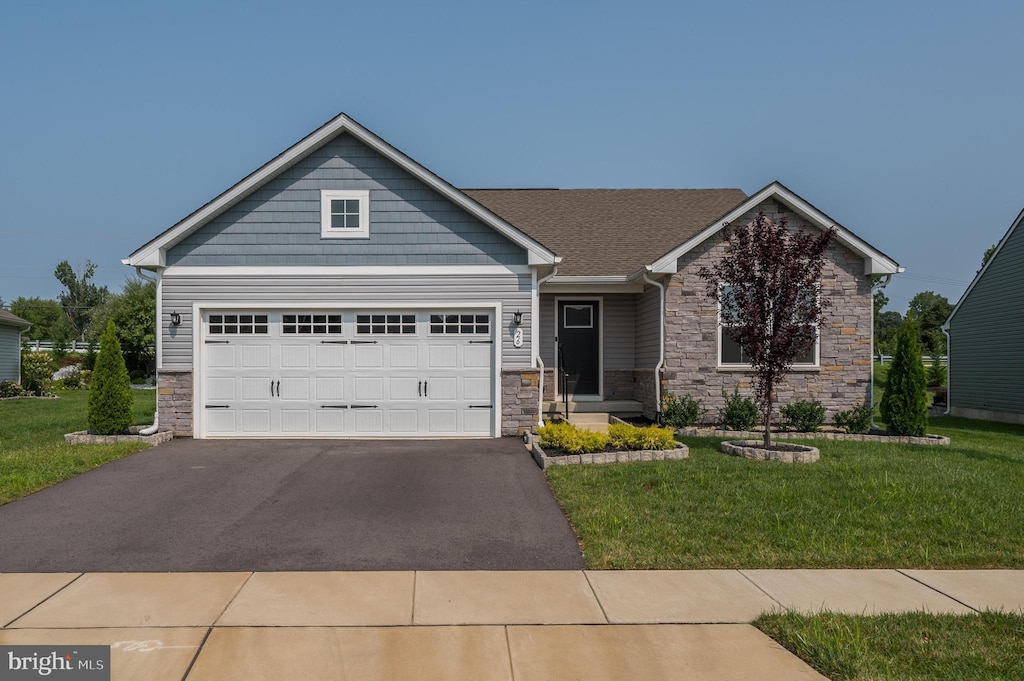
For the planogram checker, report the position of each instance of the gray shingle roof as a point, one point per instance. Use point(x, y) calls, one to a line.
point(12, 319)
point(608, 231)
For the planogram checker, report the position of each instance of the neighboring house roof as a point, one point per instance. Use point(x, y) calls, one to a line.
point(875, 262)
point(152, 254)
point(609, 232)
point(9, 319)
point(981, 273)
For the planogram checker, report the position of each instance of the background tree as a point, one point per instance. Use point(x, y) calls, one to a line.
point(80, 296)
point(904, 405)
point(46, 316)
point(110, 391)
point(887, 325)
point(929, 310)
point(767, 283)
point(985, 257)
point(133, 312)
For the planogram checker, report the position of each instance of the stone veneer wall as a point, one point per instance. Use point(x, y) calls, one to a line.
point(174, 401)
point(618, 384)
point(691, 335)
point(644, 391)
point(519, 395)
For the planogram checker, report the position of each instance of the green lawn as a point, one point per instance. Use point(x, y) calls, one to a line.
point(862, 505)
point(33, 454)
point(917, 646)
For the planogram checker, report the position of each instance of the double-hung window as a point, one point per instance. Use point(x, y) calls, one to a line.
point(731, 353)
point(344, 214)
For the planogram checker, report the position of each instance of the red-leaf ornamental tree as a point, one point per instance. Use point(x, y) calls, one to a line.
point(767, 285)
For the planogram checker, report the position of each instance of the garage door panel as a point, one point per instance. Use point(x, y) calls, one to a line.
point(404, 421)
point(477, 356)
point(330, 421)
point(329, 388)
point(220, 356)
point(255, 421)
point(369, 421)
point(442, 388)
point(254, 388)
point(330, 356)
point(220, 388)
point(403, 356)
point(295, 356)
point(255, 356)
point(294, 420)
point(476, 389)
point(220, 421)
point(476, 421)
point(443, 421)
point(369, 388)
point(294, 389)
point(442, 356)
point(369, 357)
point(404, 389)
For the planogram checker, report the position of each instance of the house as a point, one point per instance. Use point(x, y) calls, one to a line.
point(343, 289)
point(11, 327)
point(986, 337)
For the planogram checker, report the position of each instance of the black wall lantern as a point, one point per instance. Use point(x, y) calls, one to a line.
point(175, 319)
point(517, 317)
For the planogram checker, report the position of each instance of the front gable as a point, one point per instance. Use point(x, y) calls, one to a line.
point(282, 190)
point(409, 222)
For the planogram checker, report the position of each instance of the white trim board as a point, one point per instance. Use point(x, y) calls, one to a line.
point(875, 262)
point(341, 270)
point(153, 253)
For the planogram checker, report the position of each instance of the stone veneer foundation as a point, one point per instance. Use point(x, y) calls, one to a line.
point(174, 401)
point(519, 398)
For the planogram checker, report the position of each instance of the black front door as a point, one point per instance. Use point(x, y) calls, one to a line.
point(579, 346)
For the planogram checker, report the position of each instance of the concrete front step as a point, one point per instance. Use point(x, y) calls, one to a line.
point(617, 407)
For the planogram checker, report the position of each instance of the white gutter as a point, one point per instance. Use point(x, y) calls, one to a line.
point(661, 345)
point(537, 361)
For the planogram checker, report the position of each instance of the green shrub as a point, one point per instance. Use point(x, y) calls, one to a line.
point(36, 372)
point(111, 399)
point(626, 436)
point(805, 416)
point(740, 412)
point(73, 381)
point(10, 389)
point(856, 420)
point(138, 376)
point(936, 373)
point(904, 405)
point(683, 411)
point(563, 435)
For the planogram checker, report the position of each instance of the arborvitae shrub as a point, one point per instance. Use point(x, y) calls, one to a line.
point(904, 405)
point(110, 396)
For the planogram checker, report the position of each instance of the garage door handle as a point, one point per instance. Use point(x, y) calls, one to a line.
point(216, 342)
point(419, 388)
point(271, 387)
point(279, 388)
point(424, 388)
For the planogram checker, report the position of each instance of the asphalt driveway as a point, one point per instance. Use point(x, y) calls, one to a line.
point(214, 505)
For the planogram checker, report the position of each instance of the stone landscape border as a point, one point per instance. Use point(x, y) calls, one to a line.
point(824, 435)
point(84, 437)
point(784, 452)
point(544, 461)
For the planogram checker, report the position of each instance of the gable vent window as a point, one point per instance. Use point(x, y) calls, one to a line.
point(344, 214)
point(385, 324)
point(311, 324)
point(449, 324)
point(242, 324)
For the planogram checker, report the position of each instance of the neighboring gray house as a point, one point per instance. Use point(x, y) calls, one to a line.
point(986, 337)
point(11, 327)
point(343, 289)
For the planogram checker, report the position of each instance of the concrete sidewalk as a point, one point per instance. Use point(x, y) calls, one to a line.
point(463, 625)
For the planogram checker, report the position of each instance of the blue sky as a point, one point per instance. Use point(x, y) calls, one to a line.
point(901, 120)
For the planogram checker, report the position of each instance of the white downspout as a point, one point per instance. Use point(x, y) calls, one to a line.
point(538, 362)
point(949, 373)
point(661, 345)
point(156, 414)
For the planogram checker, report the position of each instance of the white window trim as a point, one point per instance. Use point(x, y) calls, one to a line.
point(741, 366)
point(328, 195)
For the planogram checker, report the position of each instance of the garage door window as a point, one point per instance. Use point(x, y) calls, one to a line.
point(308, 324)
point(385, 324)
point(451, 324)
point(223, 324)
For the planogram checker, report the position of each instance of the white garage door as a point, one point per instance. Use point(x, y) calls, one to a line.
point(347, 374)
